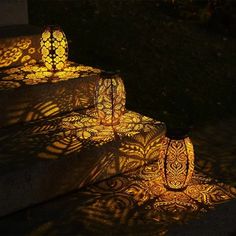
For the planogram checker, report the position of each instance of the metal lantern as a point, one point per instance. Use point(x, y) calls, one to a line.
point(54, 48)
point(177, 161)
point(110, 99)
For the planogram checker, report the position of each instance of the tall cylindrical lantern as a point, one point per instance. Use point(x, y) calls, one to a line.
point(177, 161)
point(54, 48)
point(110, 99)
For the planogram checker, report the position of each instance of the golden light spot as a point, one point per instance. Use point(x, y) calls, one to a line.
point(46, 35)
point(25, 58)
point(58, 35)
point(60, 51)
point(31, 50)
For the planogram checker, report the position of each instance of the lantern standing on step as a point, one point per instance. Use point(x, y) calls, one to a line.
point(110, 99)
point(54, 48)
point(177, 162)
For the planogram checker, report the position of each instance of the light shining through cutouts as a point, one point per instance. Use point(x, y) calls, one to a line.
point(54, 48)
point(110, 99)
point(177, 162)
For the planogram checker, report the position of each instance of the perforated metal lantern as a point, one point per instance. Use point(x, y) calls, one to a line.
point(177, 161)
point(54, 48)
point(110, 99)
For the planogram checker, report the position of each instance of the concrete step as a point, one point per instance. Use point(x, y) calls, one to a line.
point(19, 45)
point(32, 92)
point(41, 160)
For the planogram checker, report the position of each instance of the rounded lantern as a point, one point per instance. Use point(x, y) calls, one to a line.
point(177, 161)
point(110, 99)
point(54, 48)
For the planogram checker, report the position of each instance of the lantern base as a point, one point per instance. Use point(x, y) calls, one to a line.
point(174, 189)
point(177, 134)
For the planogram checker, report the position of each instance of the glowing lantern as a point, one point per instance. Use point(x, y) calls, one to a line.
point(110, 99)
point(177, 161)
point(54, 48)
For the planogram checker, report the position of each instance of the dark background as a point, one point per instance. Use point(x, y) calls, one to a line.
point(177, 58)
point(178, 61)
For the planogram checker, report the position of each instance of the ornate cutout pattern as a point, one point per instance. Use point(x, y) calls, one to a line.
point(110, 100)
point(37, 74)
point(54, 48)
point(177, 162)
point(19, 50)
point(89, 127)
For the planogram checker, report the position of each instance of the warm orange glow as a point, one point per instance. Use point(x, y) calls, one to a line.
point(19, 50)
point(148, 188)
point(36, 74)
point(110, 99)
point(177, 162)
point(38, 103)
point(54, 48)
point(89, 127)
point(139, 197)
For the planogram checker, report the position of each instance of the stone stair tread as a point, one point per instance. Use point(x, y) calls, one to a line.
point(32, 92)
point(43, 159)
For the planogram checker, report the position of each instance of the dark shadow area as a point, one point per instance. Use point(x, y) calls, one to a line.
point(177, 60)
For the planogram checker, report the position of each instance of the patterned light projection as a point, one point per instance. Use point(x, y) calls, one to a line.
point(177, 162)
point(54, 48)
point(18, 50)
point(200, 191)
point(128, 152)
point(110, 99)
point(86, 126)
point(133, 143)
point(52, 97)
point(140, 195)
point(131, 203)
point(37, 74)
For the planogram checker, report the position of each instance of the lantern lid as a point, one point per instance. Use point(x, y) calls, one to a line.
point(52, 27)
point(177, 133)
point(108, 74)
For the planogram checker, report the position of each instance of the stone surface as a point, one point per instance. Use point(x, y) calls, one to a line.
point(32, 92)
point(44, 159)
point(19, 45)
point(220, 221)
point(111, 207)
point(133, 203)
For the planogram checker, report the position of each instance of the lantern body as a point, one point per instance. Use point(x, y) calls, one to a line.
point(110, 99)
point(54, 48)
point(177, 162)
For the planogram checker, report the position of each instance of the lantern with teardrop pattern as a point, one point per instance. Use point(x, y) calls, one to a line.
point(177, 161)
